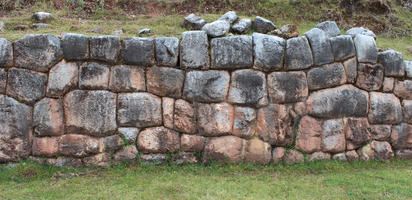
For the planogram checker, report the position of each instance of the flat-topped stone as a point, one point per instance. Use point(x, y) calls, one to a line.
point(232, 52)
point(268, 52)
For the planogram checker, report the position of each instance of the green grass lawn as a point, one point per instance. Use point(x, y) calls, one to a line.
point(317, 180)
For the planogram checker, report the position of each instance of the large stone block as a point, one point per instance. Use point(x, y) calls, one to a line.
point(357, 132)
point(384, 108)
point(342, 101)
point(248, 87)
point(287, 87)
point(342, 47)
point(262, 25)
point(111, 143)
point(380, 132)
point(230, 17)
point(217, 28)
point(6, 53)
point(194, 50)
point(244, 124)
point(138, 51)
point(15, 129)
point(388, 84)
point(232, 52)
point(408, 69)
point(3, 81)
point(194, 22)
point(382, 150)
point(366, 49)
point(165, 81)
point(308, 135)
point(192, 143)
point(403, 89)
point(45, 146)
point(48, 117)
point(407, 110)
point(215, 119)
point(139, 110)
point(158, 140)
point(274, 125)
point(78, 145)
point(360, 30)
point(268, 52)
point(321, 48)
point(167, 51)
point(126, 154)
point(125, 78)
point(94, 75)
point(370, 77)
point(326, 76)
point(75, 46)
point(393, 63)
point(351, 69)
point(277, 154)
point(401, 137)
point(37, 52)
point(227, 148)
point(184, 117)
point(90, 112)
point(25, 85)
point(242, 26)
point(168, 107)
point(258, 152)
point(105, 48)
point(329, 27)
point(333, 136)
point(62, 78)
point(298, 54)
point(206, 86)
point(293, 157)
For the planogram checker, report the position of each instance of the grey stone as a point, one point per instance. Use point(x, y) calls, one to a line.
point(319, 156)
point(370, 77)
point(403, 89)
point(268, 52)
point(138, 51)
point(357, 132)
point(194, 50)
point(330, 28)
point(1, 26)
point(206, 86)
point(408, 68)
point(3, 81)
point(287, 87)
point(145, 31)
point(152, 159)
point(75, 46)
point(217, 28)
point(244, 124)
point(393, 63)
point(64, 161)
point(321, 48)
point(401, 137)
point(351, 69)
point(90, 112)
point(25, 85)
point(230, 17)
point(352, 155)
point(333, 136)
point(165, 81)
point(167, 51)
point(124, 78)
point(129, 133)
point(248, 87)
point(242, 26)
point(185, 158)
point(6, 53)
point(298, 54)
point(194, 22)
point(75, 145)
point(158, 140)
point(382, 150)
point(380, 132)
point(326, 76)
point(407, 110)
point(385, 108)
point(39, 26)
point(342, 101)
point(105, 48)
point(263, 25)
point(232, 52)
point(37, 52)
point(48, 117)
point(111, 143)
point(15, 129)
point(340, 157)
point(215, 119)
point(41, 16)
point(62, 78)
point(139, 110)
point(274, 125)
point(360, 30)
point(93, 75)
point(366, 49)
point(126, 154)
point(342, 47)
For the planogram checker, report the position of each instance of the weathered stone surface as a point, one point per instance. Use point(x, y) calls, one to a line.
point(308, 135)
point(351, 69)
point(403, 89)
point(287, 31)
point(168, 107)
point(366, 152)
point(167, 51)
point(407, 110)
point(381, 132)
point(45, 146)
point(78, 145)
point(158, 140)
point(126, 154)
point(98, 160)
point(404, 154)
point(3, 81)
point(352, 155)
point(300, 108)
point(408, 68)
point(293, 157)
point(124, 78)
point(366, 49)
point(287, 87)
point(227, 148)
point(242, 26)
point(194, 50)
point(41, 16)
point(357, 132)
point(215, 119)
point(298, 54)
point(392, 61)
point(383, 150)
point(388, 84)
point(105, 48)
point(277, 154)
point(244, 124)
point(258, 151)
point(194, 22)
point(129, 133)
point(333, 136)
point(274, 125)
point(268, 52)
point(25, 85)
point(342, 101)
point(184, 117)
point(401, 137)
point(248, 87)
point(64, 161)
point(370, 77)
point(94, 75)
point(193, 143)
point(111, 143)
point(139, 110)
point(319, 156)
point(165, 81)
point(329, 27)
point(232, 52)
point(62, 78)
point(37, 52)
point(6, 53)
point(206, 86)
point(217, 28)
point(321, 48)
point(75, 46)
point(15, 129)
point(90, 112)
point(138, 51)
point(360, 30)
point(262, 25)
point(152, 159)
point(185, 158)
point(342, 47)
point(326, 76)
point(384, 109)
point(230, 17)
point(340, 157)
point(48, 117)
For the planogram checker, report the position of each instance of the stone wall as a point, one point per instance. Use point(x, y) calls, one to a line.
point(81, 100)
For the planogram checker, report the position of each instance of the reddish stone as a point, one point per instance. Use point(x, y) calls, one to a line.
point(333, 136)
point(184, 117)
point(277, 154)
point(158, 140)
point(226, 148)
point(381, 132)
point(293, 157)
point(308, 135)
point(244, 125)
point(185, 158)
point(215, 119)
point(403, 89)
point(357, 133)
point(45, 146)
point(98, 160)
point(388, 84)
point(258, 151)
point(352, 155)
point(126, 154)
point(168, 105)
point(407, 110)
point(78, 145)
point(192, 143)
point(401, 137)
point(274, 125)
point(319, 156)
